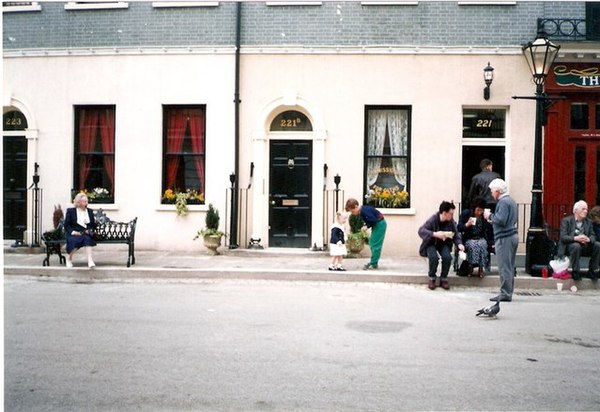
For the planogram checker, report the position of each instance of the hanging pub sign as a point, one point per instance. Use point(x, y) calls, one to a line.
point(581, 76)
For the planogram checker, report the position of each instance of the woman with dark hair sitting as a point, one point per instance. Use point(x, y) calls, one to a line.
point(478, 237)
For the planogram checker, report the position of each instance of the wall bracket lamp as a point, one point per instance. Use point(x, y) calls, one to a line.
point(488, 77)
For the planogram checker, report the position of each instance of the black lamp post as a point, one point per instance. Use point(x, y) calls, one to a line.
point(337, 179)
point(233, 224)
point(488, 77)
point(540, 55)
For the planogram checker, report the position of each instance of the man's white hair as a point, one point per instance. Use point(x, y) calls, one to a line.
point(578, 205)
point(499, 185)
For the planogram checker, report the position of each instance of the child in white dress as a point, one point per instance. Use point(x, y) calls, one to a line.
point(337, 241)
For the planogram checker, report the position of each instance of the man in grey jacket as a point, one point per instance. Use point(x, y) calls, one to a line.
point(577, 238)
point(504, 221)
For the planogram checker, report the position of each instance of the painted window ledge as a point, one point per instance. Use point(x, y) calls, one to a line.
point(173, 208)
point(21, 6)
point(101, 5)
point(166, 4)
point(409, 211)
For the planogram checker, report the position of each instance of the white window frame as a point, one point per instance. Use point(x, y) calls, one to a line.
point(389, 3)
point(33, 6)
point(487, 3)
point(294, 3)
point(167, 4)
point(96, 5)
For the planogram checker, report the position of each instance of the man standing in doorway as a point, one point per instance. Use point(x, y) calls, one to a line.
point(504, 221)
point(480, 184)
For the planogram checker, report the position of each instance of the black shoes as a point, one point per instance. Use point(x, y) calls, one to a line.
point(500, 298)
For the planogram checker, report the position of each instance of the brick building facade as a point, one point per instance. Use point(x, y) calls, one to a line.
point(381, 94)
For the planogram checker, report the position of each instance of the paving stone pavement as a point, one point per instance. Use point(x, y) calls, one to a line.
point(265, 264)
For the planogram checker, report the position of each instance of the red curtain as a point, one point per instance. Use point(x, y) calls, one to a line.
point(88, 124)
point(107, 136)
point(196, 119)
point(176, 120)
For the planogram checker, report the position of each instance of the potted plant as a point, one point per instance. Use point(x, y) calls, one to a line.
point(211, 233)
point(357, 237)
point(181, 200)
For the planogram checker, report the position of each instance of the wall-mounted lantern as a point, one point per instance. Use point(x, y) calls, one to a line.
point(488, 77)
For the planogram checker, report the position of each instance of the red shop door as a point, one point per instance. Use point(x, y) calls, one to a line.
point(572, 155)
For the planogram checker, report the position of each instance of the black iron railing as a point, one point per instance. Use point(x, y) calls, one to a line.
point(244, 198)
point(334, 200)
point(570, 29)
point(553, 213)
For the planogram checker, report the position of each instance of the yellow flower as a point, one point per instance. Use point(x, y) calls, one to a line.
point(389, 197)
point(169, 195)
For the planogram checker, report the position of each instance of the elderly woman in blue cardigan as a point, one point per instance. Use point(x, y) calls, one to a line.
point(79, 226)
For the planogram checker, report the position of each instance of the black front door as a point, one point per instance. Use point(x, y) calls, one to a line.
point(290, 193)
point(15, 186)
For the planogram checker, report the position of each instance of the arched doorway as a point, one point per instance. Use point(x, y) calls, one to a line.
point(290, 182)
point(288, 152)
point(15, 175)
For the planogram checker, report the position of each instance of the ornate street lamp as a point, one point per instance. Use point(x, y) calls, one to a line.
point(540, 55)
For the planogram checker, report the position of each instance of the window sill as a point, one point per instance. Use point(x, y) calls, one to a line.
point(408, 211)
point(167, 4)
point(173, 208)
point(294, 3)
point(73, 5)
point(389, 3)
point(103, 206)
point(34, 6)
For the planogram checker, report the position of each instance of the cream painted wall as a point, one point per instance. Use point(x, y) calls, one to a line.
point(138, 86)
point(333, 87)
point(436, 86)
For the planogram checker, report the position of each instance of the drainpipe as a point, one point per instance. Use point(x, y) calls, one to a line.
point(233, 230)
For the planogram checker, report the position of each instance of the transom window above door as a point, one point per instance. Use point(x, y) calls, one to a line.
point(291, 121)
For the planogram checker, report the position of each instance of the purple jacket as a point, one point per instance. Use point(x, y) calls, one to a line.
point(434, 224)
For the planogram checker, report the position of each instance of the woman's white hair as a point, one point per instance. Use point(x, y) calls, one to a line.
point(499, 185)
point(78, 198)
point(578, 205)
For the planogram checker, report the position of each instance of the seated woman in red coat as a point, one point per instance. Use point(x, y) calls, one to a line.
point(79, 226)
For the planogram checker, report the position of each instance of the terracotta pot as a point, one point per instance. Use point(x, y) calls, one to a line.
point(212, 242)
point(355, 245)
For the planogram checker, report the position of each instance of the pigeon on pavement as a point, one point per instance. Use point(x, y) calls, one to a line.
point(490, 311)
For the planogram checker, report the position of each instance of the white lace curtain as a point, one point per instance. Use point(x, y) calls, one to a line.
point(396, 124)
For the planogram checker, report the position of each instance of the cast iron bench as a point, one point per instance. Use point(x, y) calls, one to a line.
point(108, 231)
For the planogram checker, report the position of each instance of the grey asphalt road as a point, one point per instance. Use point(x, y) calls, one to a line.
point(234, 345)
